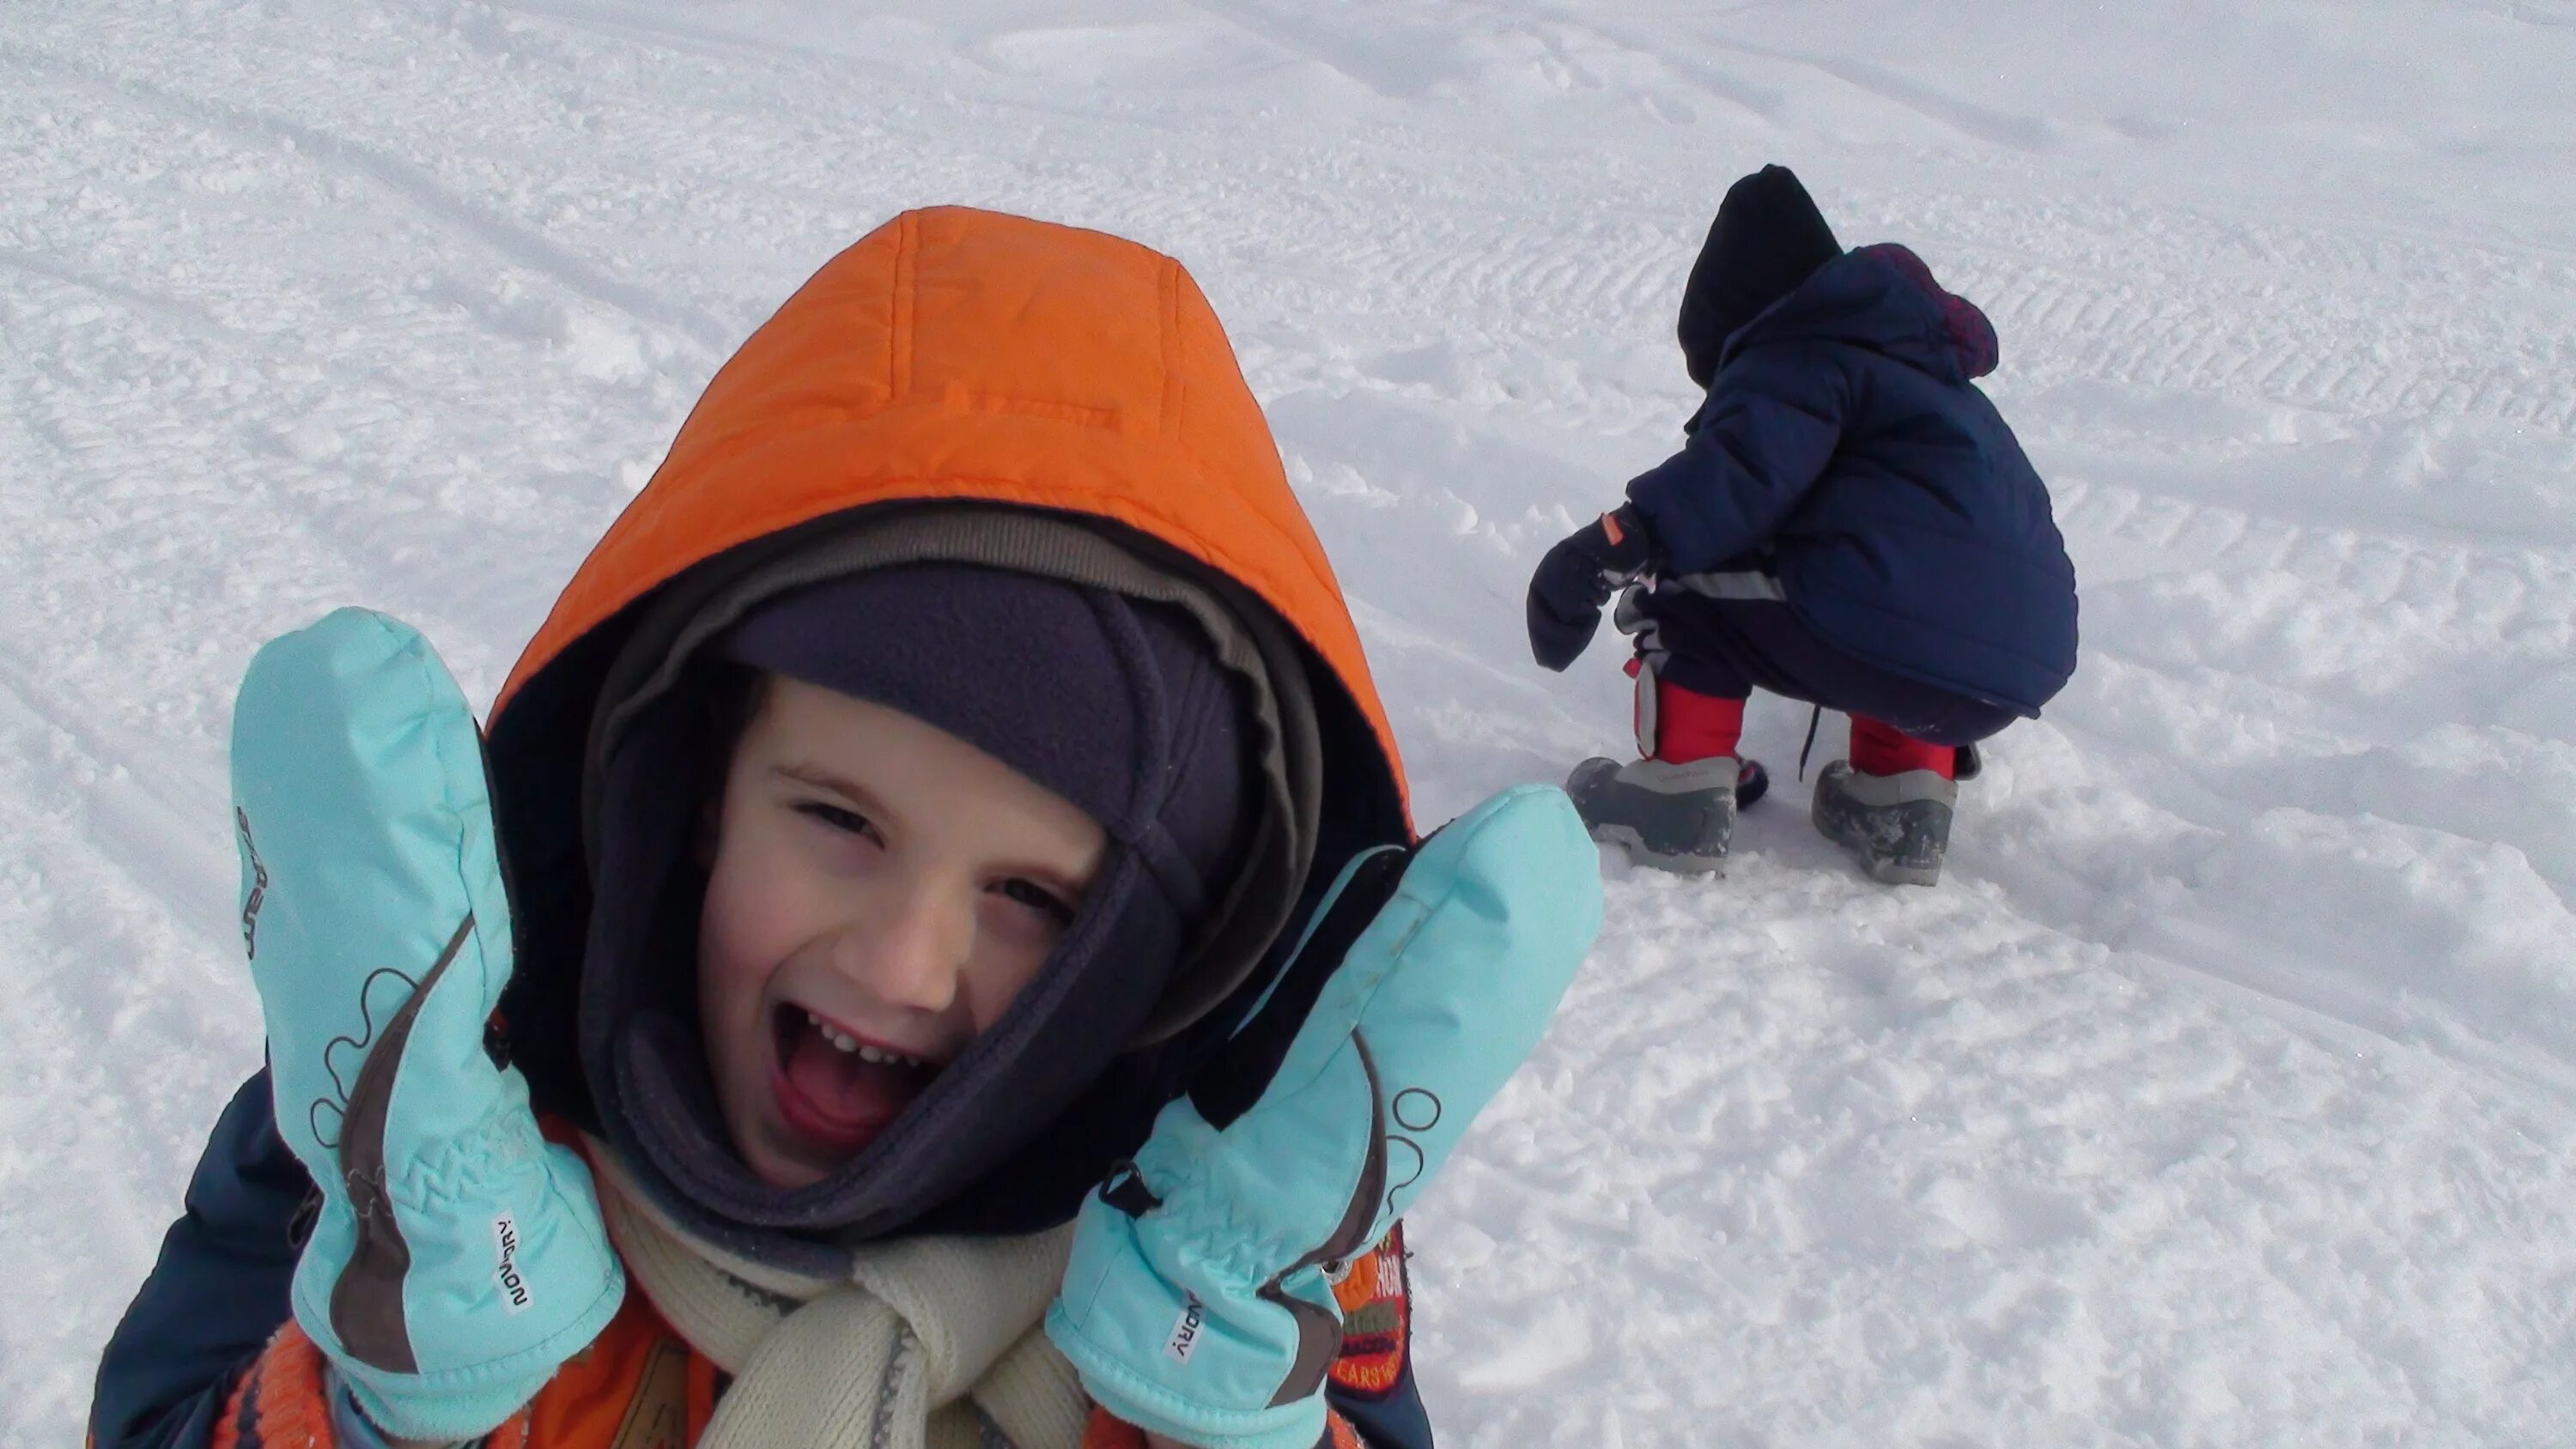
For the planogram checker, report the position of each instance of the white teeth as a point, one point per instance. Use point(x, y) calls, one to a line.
point(842, 1041)
point(832, 1034)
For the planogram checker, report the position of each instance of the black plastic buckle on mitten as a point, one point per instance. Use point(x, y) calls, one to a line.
point(1124, 1189)
point(1229, 1086)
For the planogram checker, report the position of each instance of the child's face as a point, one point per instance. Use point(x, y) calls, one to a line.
point(879, 892)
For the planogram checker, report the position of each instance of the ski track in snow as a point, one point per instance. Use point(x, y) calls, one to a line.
point(2219, 1096)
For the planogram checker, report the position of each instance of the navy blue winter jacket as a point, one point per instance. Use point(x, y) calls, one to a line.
point(1844, 449)
point(217, 1293)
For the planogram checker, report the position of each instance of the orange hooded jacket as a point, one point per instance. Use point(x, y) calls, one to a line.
point(950, 355)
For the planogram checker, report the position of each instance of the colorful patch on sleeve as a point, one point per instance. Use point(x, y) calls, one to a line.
point(283, 1400)
point(1377, 1320)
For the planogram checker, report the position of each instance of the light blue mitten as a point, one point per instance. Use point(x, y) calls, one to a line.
point(1198, 1303)
point(459, 1258)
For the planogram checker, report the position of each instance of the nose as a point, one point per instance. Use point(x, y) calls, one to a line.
point(907, 942)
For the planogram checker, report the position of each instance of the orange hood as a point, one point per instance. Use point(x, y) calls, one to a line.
point(962, 355)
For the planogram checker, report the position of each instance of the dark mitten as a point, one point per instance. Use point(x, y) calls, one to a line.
point(1576, 580)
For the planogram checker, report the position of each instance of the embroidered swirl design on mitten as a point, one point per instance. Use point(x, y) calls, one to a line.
point(326, 1114)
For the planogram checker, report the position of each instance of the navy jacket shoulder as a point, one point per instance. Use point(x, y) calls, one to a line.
point(1845, 448)
point(217, 1294)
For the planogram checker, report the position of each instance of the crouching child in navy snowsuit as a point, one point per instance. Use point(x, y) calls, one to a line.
point(1850, 524)
point(930, 952)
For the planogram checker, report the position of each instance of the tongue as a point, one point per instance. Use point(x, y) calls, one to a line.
point(844, 1090)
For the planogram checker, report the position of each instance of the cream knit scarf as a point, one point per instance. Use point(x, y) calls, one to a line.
point(932, 1343)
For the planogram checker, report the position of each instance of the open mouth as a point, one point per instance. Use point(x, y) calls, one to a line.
point(835, 1089)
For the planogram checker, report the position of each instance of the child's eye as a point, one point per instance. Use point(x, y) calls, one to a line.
point(1038, 898)
point(839, 817)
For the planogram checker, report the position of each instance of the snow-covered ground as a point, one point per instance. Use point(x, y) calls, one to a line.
point(2221, 1095)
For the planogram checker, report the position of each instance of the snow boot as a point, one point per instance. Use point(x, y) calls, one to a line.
point(1674, 809)
point(1891, 803)
point(1676, 817)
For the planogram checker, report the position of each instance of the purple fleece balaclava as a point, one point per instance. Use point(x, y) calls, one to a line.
point(1113, 702)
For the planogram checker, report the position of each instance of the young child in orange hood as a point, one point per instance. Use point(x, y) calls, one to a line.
point(919, 786)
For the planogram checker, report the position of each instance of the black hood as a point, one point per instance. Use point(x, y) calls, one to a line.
point(1767, 238)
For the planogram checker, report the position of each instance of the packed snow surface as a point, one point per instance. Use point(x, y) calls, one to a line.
point(2219, 1095)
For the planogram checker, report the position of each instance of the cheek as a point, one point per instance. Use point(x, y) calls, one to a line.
point(1009, 956)
point(740, 937)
